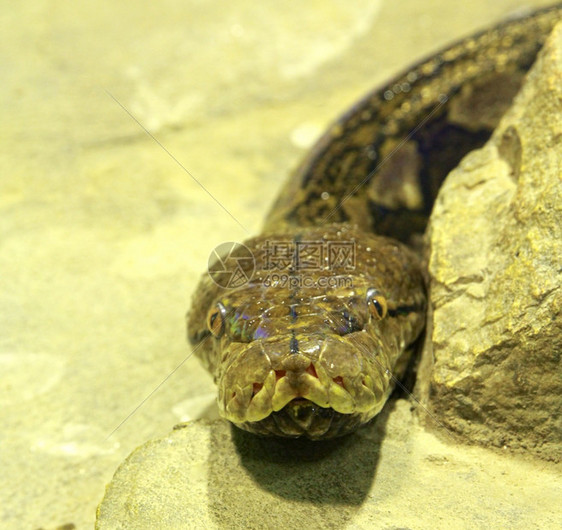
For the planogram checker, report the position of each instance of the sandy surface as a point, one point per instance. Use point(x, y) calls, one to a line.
point(103, 235)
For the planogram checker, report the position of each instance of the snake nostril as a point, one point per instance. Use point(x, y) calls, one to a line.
point(338, 380)
point(312, 371)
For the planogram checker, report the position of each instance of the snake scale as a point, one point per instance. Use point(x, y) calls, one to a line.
point(324, 323)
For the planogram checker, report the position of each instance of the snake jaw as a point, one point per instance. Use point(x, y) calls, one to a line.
point(282, 390)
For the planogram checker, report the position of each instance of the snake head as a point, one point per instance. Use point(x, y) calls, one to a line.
point(309, 361)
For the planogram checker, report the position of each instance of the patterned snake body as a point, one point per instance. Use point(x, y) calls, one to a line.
point(313, 343)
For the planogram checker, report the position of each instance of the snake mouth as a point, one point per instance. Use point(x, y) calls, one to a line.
point(308, 402)
point(302, 418)
point(327, 389)
point(283, 388)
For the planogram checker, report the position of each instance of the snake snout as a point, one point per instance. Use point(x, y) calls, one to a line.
point(322, 390)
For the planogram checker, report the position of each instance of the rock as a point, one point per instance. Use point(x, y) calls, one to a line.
point(496, 269)
point(390, 474)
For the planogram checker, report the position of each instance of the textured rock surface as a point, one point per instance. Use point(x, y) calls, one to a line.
point(496, 276)
point(391, 474)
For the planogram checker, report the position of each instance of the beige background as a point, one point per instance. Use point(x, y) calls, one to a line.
point(103, 236)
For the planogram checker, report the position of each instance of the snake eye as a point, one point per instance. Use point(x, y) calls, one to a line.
point(215, 320)
point(377, 304)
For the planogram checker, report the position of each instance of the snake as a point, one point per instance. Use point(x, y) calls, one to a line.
point(325, 308)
